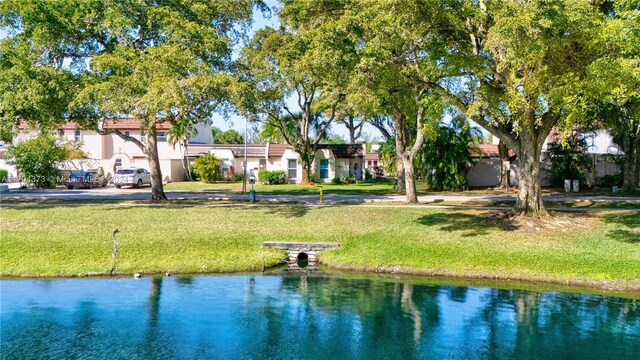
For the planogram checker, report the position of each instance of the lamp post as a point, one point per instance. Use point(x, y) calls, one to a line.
point(244, 163)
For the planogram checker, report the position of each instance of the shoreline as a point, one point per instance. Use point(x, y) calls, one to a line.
point(543, 283)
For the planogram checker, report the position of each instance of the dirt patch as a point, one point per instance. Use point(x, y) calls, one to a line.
point(549, 224)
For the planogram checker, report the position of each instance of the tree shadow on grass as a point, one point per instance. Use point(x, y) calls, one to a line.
point(468, 224)
point(628, 227)
point(288, 211)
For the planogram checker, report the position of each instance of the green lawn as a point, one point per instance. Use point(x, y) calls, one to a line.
point(68, 240)
point(381, 187)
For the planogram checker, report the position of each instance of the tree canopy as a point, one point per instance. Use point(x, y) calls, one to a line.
point(165, 61)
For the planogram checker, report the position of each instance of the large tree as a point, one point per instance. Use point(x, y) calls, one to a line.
point(157, 61)
point(613, 94)
point(529, 59)
point(395, 54)
point(293, 62)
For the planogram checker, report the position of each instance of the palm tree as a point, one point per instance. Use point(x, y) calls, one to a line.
point(179, 134)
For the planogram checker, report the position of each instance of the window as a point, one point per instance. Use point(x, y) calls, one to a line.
point(324, 168)
point(263, 163)
point(142, 136)
point(118, 163)
point(162, 136)
point(292, 168)
point(126, 133)
point(61, 133)
point(77, 136)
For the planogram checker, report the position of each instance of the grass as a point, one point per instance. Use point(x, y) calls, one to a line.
point(377, 188)
point(383, 186)
point(76, 241)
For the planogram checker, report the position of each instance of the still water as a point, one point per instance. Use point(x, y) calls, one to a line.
point(306, 317)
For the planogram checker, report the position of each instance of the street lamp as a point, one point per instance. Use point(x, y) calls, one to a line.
point(244, 163)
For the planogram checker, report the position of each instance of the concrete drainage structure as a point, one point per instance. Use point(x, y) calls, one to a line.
point(299, 252)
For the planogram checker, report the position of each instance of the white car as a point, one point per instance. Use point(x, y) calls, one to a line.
point(132, 177)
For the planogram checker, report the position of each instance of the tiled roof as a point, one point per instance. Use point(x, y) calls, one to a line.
point(253, 150)
point(120, 124)
point(344, 150)
point(131, 124)
point(487, 151)
point(277, 150)
point(372, 156)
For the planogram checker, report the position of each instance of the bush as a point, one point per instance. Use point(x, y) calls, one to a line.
point(568, 161)
point(336, 181)
point(4, 175)
point(208, 168)
point(236, 177)
point(367, 175)
point(350, 179)
point(608, 181)
point(194, 174)
point(272, 177)
point(37, 159)
point(445, 158)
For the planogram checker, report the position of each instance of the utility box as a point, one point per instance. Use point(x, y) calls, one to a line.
point(576, 185)
point(567, 186)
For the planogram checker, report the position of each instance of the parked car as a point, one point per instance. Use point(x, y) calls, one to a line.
point(132, 177)
point(85, 179)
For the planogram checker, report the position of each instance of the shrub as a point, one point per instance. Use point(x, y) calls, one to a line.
point(336, 181)
point(4, 175)
point(445, 159)
point(367, 175)
point(350, 179)
point(568, 161)
point(37, 159)
point(208, 168)
point(263, 176)
point(609, 181)
point(272, 177)
point(236, 177)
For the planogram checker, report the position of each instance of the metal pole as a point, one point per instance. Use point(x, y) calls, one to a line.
point(244, 164)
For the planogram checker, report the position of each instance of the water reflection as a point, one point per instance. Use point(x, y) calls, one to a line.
point(302, 315)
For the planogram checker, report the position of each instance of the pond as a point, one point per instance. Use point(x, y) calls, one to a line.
point(295, 316)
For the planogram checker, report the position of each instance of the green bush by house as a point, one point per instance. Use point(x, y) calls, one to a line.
point(275, 177)
point(208, 168)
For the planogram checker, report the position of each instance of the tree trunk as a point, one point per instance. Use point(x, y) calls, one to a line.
point(629, 182)
point(398, 121)
point(157, 191)
point(410, 180)
point(306, 174)
point(185, 160)
point(307, 156)
point(636, 181)
point(529, 201)
point(505, 172)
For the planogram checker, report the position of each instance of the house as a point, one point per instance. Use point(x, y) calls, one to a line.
point(330, 161)
point(486, 171)
point(111, 152)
